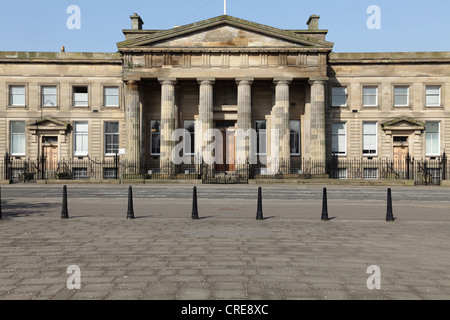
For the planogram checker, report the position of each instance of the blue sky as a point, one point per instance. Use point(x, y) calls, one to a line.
point(40, 25)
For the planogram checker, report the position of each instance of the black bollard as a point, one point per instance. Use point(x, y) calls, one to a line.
point(194, 205)
point(130, 212)
point(259, 213)
point(389, 214)
point(325, 206)
point(64, 211)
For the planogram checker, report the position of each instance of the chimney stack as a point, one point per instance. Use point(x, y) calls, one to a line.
point(313, 22)
point(136, 22)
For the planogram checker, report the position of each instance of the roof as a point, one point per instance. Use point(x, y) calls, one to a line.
point(154, 36)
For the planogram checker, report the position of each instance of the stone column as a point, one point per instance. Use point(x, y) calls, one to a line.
point(317, 120)
point(167, 124)
point(280, 122)
point(205, 114)
point(132, 125)
point(244, 143)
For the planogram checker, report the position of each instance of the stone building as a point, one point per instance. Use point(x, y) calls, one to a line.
point(227, 74)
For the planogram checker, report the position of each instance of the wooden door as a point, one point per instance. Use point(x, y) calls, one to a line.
point(400, 154)
point(51, 157)
point(230, 152)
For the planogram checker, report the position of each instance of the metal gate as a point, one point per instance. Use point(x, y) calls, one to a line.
point(238, 176)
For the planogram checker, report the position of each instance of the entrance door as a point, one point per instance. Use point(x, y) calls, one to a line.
point(400, 154)
point(225, 150)
point(229, 152)
point(50, 151)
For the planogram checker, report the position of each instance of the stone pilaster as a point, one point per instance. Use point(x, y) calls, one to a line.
point(244, 121)
point(280, 122)
point(167, 124)
point(132, 123)
point(205, 114)
point(317, 120)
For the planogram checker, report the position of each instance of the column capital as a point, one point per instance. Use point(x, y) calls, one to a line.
point(169, 81)
point(282, 81)
point(244, 80)
point(132, 84)
point(207, 81)
point(319, 80)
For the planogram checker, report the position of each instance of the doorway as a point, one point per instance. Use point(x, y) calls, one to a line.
point(50, 152)
point(225, 149)
point(400, 152)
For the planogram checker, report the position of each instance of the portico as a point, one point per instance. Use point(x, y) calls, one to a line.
point(231, 71)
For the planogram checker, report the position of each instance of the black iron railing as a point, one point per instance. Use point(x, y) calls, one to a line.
point(428, 171)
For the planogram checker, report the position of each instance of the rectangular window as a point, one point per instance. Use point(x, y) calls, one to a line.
point(79, 173)
point(370, 173)
point(432, 143)
point(189, 127)
point(433, 96)
point(295, 137)
point(18, 138)
point(338, 138)
point(17, 96)
point(111, 96)
point(81, 138)
point(110, 173)
point(111, 138)
point(340, 173)
point(339, 97)
point(80, 96)
point(370, 96)
point(155, 137)
point(49, 96)
point(401, 96)
point(261, 138)
point(369, 138)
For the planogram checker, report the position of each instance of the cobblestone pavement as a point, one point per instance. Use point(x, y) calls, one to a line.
point(227, 253)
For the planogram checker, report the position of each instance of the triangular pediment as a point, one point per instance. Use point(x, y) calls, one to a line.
point(403, 123)
point(224, 31)
point(48, 124)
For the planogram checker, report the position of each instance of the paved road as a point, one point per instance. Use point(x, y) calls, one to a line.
point(226, 254)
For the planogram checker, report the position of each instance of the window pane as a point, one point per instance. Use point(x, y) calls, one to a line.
point(369, 128)
point(155, 137)
point(432, 138)
point(189, 126)
point(433, 95)
point(401, 96)
point(111, 101)
point(261, 141)
point(434, 90)
point(432, 127)
point(18, 144)
point(111, 91)
point(369, 138)
point(338, 138)
point(20, 90)
point(49, 90)
point(49, 96)
point(111, 127)
point(295, 137)
point(81, 127)
point(339, 96)
point(18, 137)
point(18, 126)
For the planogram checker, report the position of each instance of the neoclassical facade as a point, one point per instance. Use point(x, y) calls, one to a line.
point(230, 75)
